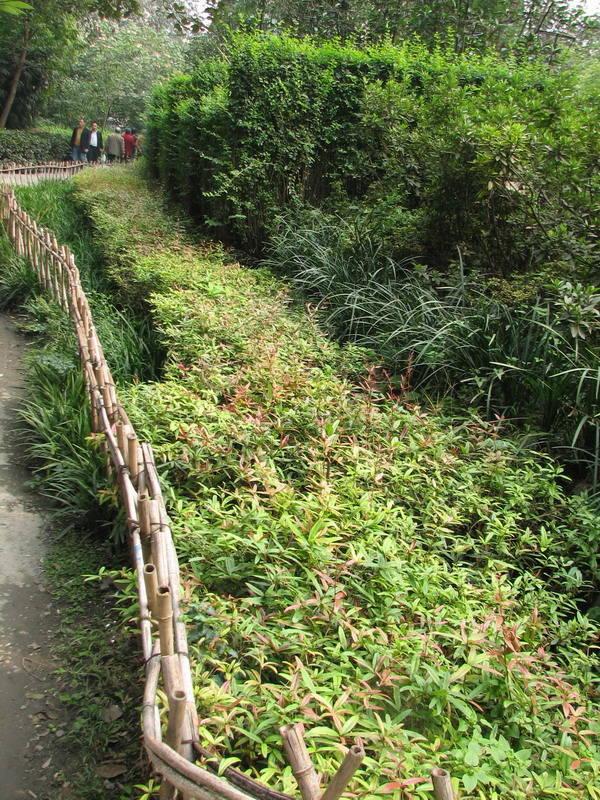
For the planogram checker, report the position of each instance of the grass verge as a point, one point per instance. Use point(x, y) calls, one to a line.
point(100, 671)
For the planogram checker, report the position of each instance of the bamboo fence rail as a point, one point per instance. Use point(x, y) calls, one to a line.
point(28, 174)
point(172, 751)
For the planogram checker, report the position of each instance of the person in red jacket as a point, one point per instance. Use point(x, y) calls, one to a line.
point(129, 142)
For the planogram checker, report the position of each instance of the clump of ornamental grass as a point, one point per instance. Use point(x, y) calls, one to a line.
point(534, 362)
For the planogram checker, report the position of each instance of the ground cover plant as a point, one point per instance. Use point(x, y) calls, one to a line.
point(525, 352)
point(351, 559)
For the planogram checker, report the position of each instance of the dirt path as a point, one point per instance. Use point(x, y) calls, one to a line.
point(29, 708)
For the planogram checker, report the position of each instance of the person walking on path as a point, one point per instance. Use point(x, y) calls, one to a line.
point(95, 143)
point(80, 139)
point(129, 140)
point(115, 147)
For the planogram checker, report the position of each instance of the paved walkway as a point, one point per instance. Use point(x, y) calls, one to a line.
point(29, 715)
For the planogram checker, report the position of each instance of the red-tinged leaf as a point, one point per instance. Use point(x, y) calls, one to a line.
point(395, 786)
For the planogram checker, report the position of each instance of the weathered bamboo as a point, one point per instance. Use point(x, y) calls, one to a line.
point(151, 582)
point(158, 544)
point(442, 784)
point(300, 761)
point(164, 615)
point(121, 440)
point(132, 455)
point(352, 761)
point(150, 716)
point(177, 709)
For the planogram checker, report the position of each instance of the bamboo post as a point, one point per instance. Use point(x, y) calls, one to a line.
point(121, 439)
point(177, 706)
point(106, 393)
point(132, 456)
point(151, 582)
point(158, 544)
point(442, 784)
point(164, 615)
point(352, 761)
point(300, 761)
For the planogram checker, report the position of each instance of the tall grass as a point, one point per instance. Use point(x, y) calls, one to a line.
point(452, 337)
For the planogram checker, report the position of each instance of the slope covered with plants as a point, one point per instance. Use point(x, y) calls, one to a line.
point(351, 559)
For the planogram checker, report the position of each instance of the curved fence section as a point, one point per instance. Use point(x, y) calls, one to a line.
point(27, 174)
point(172, 748)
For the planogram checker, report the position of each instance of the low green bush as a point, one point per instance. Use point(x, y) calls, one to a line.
point(350, 558)
point(34, 146)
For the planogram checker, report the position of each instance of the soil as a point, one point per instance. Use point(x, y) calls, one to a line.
point(33, 721)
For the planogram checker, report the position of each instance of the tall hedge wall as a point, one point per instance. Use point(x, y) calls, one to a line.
point(444, 152)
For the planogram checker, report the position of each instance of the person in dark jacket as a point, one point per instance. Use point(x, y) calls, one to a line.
point(80, 140)
point(94, 143)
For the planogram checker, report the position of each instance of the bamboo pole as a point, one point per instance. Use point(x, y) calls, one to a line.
point(352, 761)
point(164, 615)
point(300, 761)
point(151, 582)
point(177, 708)
point(132, 455)
point(442, 784)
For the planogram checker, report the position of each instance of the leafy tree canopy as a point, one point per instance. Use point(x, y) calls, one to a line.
point(111, 77)
point(473, 24)
point(39, 44)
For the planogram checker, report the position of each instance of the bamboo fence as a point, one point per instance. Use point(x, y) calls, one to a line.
point(173, 748)
point(28, 174)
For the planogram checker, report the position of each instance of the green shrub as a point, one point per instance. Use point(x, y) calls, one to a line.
point(351, 559)
point(495, 159)
point(33, 146)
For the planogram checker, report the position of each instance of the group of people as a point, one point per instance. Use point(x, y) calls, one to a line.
point(87, 144)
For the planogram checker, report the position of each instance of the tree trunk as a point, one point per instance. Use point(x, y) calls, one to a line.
point(14, 84)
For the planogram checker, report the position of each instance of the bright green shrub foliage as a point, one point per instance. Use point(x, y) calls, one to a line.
point(351, 560)
point(439, 151)
point(33, 145)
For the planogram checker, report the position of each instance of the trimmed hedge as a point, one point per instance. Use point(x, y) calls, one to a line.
point(437, 151)
point(33, 146)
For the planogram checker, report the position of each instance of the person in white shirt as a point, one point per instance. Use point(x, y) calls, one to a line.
point(95, 145)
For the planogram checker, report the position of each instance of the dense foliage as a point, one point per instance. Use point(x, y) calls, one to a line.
point(34, 145)
point(109, 79)
point(503, 24)
point(38, 44)
point(351, 560)
point(439, 151)
point(439, 207)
